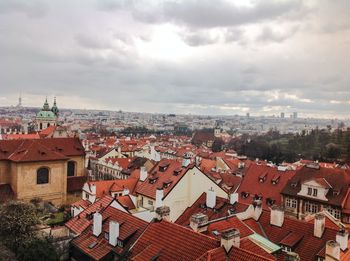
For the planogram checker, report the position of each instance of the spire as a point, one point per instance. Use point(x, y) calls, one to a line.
point(46, 106)
point(54, 107)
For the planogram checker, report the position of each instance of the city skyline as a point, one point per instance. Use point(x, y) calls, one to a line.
point(257, 57)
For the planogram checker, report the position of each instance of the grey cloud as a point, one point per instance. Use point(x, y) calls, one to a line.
point(199, 38)
point(32, 8)
point(270, 35)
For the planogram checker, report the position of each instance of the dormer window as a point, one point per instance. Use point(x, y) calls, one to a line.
point(244, 194)
point(262, 178)
point(153, 179)
point(309, 191)
point(275, 179)
point(167, 183)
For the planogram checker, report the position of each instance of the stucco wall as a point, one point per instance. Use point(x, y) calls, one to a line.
point(25, 184)
point(188, 190)
point(5, 172)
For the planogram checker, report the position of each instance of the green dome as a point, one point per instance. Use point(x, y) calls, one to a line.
point(46, 115)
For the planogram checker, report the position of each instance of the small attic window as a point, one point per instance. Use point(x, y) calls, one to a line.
point(167, 183)
point(152, 180)
point(92, 245)
point(294, 184)
point(258, 197)
point(336, 192)
point(275, 179)
point(262, 177)
point(244, 194)
point(215, 233)
point(270, 201)
point(177, 172)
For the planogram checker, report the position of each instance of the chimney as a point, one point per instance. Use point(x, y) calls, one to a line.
point(186, 161)
point(342, 238)
point(113, 232)
point(159, 197)
point(163, 212)
point(143, 173)
point(197, 221)
point(233, 198)
point(211, 198)
point(332, 251)
point(319, 225)
point(257, 209)
point(119, 151)
point(97, 224)
point(230, 238)
point(292, 256)
point(277, 216)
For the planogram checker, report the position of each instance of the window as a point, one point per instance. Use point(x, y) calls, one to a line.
point(291, 203)
point(311, 207)
point(150, 202)
point(42, 176)
point(71, 168)
point(309, 191)
point(334, 212)
point(315, 193)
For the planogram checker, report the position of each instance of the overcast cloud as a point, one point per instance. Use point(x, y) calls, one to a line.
point(182, 56)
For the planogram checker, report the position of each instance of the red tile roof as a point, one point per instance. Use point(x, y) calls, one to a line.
point(308, 246)
point(222, 209)
point(169, 241)
point(337, 179)
point(130, 229)
point(265, 188)
point(105, 187)
point(157, 178)
point(40, 149)
point(82, 221)
point(231, 222)
point(75, 183)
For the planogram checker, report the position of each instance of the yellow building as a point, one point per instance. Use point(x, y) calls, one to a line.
point(40, 168)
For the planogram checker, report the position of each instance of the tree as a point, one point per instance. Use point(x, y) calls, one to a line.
point(16, 224)
point(217, 145)
point(39, 250)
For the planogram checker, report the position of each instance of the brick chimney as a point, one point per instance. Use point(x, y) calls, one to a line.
point(319, 225)
point(257, 209)
point(277, 216)
point(163, 212)
point(292, 256)
point(198, 221)
point(113, 232)
point(332, 251)
point(211, 198)
point(97, 224)
point(230, 238)
point(342, 238)
point(143, 173)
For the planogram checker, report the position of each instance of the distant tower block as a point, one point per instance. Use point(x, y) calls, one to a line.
point(282, 115)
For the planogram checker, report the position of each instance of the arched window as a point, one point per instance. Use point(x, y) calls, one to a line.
point(48, 125)
point(41, 126)
point(42, 176)
point(71, 168)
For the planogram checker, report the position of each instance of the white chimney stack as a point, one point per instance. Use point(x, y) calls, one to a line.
point(211, 198)
point(233, 198)
point(143, 173)
point(332, 251)
point(97, 224)
point(277, 216)
point(113, 232)
point(257, 209)
point(319, 225)
point(342, 238)
point(230, 238)
point(159, 197)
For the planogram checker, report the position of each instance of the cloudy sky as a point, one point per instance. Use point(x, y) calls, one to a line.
point(183, 56)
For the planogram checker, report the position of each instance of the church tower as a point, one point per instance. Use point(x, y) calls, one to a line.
point(46, 117)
